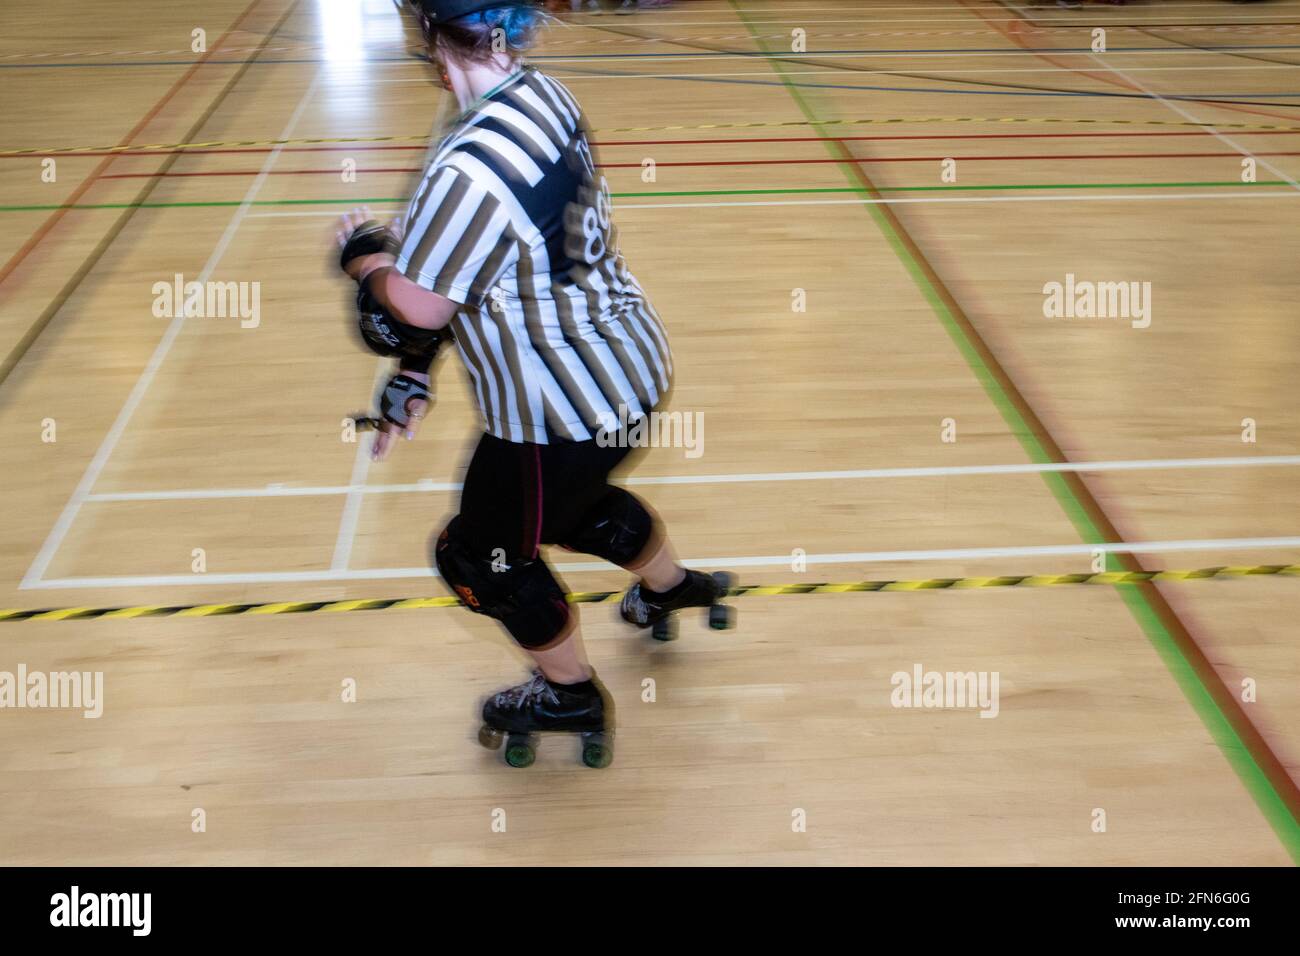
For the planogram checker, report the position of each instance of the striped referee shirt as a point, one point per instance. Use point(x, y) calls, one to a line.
point(512, 220)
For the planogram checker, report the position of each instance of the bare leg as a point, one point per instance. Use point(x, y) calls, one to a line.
point(657, 565)
point(564, 660)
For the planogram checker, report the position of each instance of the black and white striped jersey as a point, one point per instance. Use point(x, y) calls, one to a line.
point(513, 220)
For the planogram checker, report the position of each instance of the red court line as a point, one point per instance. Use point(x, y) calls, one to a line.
point(732, 162)
point(921, 136)
point(941, 157)
point(363, 147)
point(360, 147)
point(44, 228)
point(295, 172)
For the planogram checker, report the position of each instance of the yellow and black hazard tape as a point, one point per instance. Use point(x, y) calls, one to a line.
point(598, 597)
point(424, 137)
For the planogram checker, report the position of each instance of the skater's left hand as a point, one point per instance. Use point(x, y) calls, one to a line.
point(361, 266)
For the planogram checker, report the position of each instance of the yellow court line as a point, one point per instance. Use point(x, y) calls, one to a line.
point(596, 597)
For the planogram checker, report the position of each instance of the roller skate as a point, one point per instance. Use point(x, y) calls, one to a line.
point(644, 608)
point(518, 714)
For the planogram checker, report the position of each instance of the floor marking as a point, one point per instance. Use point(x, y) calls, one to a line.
point(374, 201)
point(1082, 25)
point(901, 201)
point(1111, 578)
point(1187, 115)
point(424, 137)
point(553, 39)
point(937, 54)
point(88, 262)
point(12, 263)
point(64, 523)
point(1239, 741)
point(1088, 551)
point(604, 77)
point(356, 490)
point(283, 490)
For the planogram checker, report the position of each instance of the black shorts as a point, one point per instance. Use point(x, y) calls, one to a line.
point(518, 496)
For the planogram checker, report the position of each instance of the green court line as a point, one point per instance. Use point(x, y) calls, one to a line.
point(1234, 749)
point(41, 207)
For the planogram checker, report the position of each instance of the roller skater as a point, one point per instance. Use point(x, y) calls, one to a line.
point(508, 248)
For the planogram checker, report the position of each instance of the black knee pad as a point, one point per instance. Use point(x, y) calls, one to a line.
point(523, 596)
point(617, 529)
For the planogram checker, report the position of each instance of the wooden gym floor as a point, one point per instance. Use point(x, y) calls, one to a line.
point(1165, 711)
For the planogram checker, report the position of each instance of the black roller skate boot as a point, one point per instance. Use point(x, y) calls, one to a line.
point(645, 608)
point(518, 714)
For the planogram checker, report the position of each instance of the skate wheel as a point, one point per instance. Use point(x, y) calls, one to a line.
point(597, 751)
point(490, 737)
point(664, 630)
point(725, 580)
point(722, 617)
point(520, 751)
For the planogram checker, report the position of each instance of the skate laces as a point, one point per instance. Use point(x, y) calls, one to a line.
point(535, 689)
point(634, 606)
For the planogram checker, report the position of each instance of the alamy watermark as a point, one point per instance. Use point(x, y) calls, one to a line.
point(208, 300)
point(75, 908)
point(656, 430)
point(1074, 299)
point(946, 689)
point(77, 690)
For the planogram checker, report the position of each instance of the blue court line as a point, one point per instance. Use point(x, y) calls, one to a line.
point(622, 56)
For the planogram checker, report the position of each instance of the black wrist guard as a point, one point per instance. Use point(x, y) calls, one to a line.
point(367, 239)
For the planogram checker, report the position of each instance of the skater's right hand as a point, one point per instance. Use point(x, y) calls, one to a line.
point(388, 432)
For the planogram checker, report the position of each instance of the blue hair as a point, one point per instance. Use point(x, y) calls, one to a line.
point(474, 33)
point(519, 24)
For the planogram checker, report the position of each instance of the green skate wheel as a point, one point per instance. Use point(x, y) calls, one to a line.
point(490, 737)
point(597, 751)
point(665, 629)
point(722, 617)
point(520, 751)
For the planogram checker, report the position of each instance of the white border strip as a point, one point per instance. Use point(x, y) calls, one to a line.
point(742, 561)
point(281, 490)
point(356, 491)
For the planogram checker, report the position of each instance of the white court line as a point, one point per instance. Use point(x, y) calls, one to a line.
point(1188, 115)
point(308, 213)
point(619, 205)
point(61, 527)
point(279, 490)
point(356, 488)
point(740, 561)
